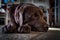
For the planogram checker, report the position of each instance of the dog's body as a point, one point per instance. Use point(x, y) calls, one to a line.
point(27, 14)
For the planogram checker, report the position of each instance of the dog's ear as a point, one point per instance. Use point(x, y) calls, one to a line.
point(11, 10)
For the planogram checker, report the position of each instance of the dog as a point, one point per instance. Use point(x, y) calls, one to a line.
point(26, 13)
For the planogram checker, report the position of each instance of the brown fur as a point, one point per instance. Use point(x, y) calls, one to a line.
point(35, 19)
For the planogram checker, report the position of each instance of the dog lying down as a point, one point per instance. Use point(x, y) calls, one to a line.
point(25, 18)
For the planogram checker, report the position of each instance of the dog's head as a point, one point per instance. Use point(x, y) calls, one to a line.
point(34, 16)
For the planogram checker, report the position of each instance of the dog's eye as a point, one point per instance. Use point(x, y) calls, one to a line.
point(36, 15)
